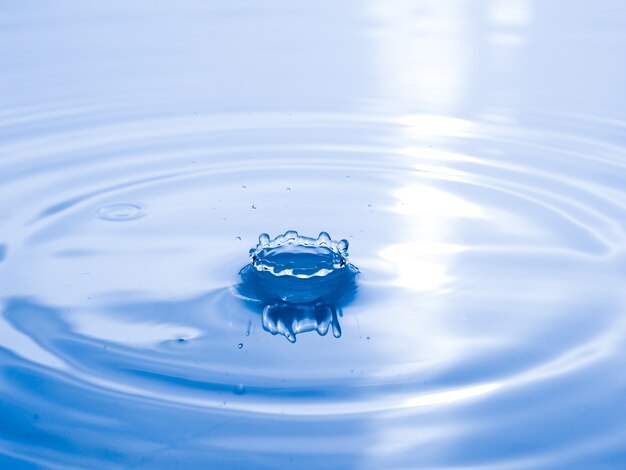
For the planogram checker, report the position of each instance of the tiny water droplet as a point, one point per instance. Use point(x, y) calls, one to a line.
point(238, 239)
point(288, 188)
point(254, 206)
point(240, 345)
point(324, 237)
point(347, 177)
point(244, 187)
point(368, 338)
point(224, 219)
point(181, 340)
point(369, 206)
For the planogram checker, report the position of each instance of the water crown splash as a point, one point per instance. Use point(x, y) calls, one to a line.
point(302, 283)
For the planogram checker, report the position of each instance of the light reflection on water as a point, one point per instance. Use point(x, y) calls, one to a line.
point(475, 163)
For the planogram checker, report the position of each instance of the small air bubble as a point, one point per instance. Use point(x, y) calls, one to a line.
point(369, 206)
point(347, 177)
point(288, 188)
point(238, 239)
point(244, 187)
point(240, 345)
point(368, 338)
point(254, 206)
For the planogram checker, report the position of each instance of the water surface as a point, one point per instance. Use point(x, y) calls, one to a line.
point(472, 154)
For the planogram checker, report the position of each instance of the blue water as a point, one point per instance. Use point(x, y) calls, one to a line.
point(473, 154)
point(299, 283)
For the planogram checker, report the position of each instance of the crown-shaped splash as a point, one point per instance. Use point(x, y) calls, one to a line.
point(301, 283)
point(291, 254)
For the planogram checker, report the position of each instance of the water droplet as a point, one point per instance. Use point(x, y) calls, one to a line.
point(238, 239)
point(244, 187)
point(254, 206)
point(181, 340)
point(240, 345)
point(324, 237)
point(368, 338)
point(291, 235)
point(288, 188)
point(121, 212)
point(369, 206)
point(347, 177)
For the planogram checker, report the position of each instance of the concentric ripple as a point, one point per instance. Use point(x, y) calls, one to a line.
point(121, 212)
point(476, 315)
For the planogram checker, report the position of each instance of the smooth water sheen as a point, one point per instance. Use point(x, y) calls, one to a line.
point(472, 153)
